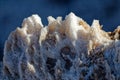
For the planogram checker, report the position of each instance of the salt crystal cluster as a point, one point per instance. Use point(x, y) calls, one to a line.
point(67, 49)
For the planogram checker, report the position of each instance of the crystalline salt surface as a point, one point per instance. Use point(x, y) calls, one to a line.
point(63, 50)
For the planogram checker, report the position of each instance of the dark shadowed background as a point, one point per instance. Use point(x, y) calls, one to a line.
point(12, 12)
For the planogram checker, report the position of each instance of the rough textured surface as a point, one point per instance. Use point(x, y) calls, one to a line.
point(64, 50)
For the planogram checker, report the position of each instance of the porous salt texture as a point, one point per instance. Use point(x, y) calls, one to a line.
point(67, 49)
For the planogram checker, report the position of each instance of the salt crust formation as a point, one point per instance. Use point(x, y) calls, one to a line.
point(67, 49)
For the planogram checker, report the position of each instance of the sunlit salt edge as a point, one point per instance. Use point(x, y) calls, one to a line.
point(78, 35)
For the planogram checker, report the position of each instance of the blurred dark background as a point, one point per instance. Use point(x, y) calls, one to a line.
point(12, 13)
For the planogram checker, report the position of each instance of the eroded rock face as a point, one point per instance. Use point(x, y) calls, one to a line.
point(67, 49)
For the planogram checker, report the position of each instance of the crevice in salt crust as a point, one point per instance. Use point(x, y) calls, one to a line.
point(67, 49)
